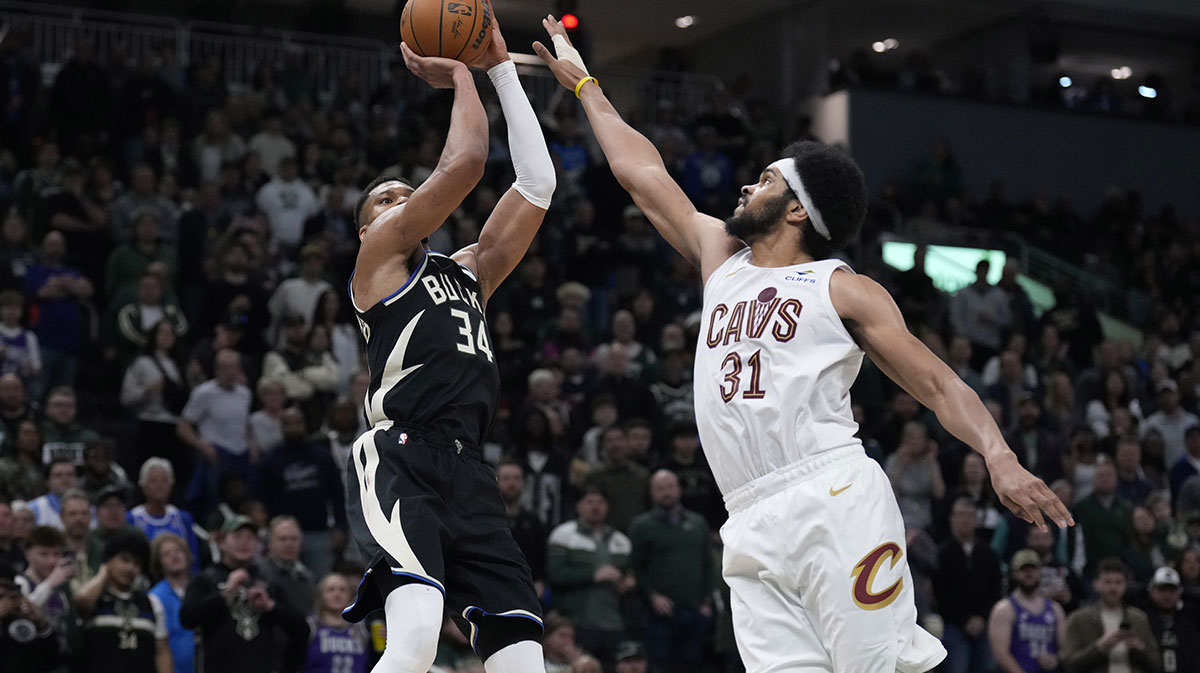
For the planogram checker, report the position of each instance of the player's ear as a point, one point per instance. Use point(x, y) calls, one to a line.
point(795, 213)
point(362, 231)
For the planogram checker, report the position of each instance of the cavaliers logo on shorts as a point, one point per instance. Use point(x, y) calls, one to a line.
point(864, 576)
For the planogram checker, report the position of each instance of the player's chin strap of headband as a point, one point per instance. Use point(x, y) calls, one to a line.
point(787, 168)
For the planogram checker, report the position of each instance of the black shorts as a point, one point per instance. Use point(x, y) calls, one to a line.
point(425, 508)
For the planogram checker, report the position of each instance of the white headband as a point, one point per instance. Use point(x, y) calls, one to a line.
point(787, 168)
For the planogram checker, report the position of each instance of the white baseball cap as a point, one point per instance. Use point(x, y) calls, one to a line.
point(1165, 576)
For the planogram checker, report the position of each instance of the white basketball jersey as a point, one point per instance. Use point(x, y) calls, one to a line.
point(774, 365)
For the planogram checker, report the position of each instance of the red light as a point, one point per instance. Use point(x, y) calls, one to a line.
point(570, 21)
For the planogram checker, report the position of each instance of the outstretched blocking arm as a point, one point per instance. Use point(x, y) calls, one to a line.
point(510, 228)
point(458, 169)
point(876, 324)
point(638, 166)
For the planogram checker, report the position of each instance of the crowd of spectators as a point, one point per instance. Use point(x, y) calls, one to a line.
point(181, 381)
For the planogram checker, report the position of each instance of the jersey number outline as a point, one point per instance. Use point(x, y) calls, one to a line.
point(753, 391)
point(476, 342)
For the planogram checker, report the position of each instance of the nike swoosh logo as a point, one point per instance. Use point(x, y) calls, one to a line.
point(396, 372)
point(839, 491)
point(732, 272)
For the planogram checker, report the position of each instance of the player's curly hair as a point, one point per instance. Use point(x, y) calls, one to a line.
point(362, 198)
point(838, 189)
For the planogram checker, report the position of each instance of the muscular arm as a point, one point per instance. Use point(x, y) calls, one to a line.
point(639, 168)
point(878, 327)
point(510, 228)
point(402, 228)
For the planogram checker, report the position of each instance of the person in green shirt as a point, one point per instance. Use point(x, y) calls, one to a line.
point(63, 438)
point(586, 565)
point(1105, 517)
point(672, 561)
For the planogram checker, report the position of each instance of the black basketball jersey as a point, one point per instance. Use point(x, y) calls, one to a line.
point(429, 353)
point(120, 634)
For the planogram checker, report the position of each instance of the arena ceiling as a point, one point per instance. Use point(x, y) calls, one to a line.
point(621, 30)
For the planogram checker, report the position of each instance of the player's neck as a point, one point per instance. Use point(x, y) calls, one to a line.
point(779, 248)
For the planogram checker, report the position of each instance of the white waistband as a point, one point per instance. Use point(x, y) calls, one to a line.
point(774, 482)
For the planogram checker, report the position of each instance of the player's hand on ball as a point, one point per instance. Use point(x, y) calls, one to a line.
point(436, 71)
point(568, 68)
point(1026, 495)
point(497, 51)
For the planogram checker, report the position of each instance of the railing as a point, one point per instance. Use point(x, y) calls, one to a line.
point(53, 32)
point(1104, 293)
point(1045, 267)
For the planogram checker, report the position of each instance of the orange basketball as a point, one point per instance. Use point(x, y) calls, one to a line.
point(458, 29)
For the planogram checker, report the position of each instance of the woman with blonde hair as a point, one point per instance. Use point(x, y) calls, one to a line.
point(334, 646)
point(171, 563)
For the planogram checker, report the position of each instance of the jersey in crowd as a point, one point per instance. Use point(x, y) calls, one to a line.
point(122, 633)
point(774, 365)
point(1033, 635)
point(335, 650)
point(174, 520)
point(429, 353)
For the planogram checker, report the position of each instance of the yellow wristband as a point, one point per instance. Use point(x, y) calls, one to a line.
point(585, 80)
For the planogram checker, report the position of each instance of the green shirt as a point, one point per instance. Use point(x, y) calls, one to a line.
point(672, 555)
point(573, 556)
point(1106, 531)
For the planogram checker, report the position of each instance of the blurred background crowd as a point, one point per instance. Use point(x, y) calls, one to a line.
point(181, 379)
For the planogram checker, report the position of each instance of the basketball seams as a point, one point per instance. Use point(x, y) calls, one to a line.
point(441, 26)
point(470, 33)
point(412, 28)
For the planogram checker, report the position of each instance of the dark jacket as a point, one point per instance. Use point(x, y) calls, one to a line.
point(301, 480)
point(965, 586)
point(234, 637)
point(1084, 628)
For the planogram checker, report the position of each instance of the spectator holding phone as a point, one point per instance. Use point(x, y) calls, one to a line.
point(1110, 635)
point(27, 641)
point(45, 581)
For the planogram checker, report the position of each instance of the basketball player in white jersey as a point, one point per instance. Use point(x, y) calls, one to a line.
point(814, 546)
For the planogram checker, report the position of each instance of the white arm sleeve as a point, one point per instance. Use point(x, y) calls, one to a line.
point(531, 159)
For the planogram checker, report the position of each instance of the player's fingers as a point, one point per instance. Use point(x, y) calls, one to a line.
point(544, 53)
point(1035, 515)
point(1058, 511)
point(408, 55)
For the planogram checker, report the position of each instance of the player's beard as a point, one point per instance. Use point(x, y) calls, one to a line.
point(752, 225)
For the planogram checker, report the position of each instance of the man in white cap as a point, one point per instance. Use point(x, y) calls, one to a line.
point(1174, 624)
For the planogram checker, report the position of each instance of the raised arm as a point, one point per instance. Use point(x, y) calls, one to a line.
point(510, 228)
point(878, 327)
point(400, 229)
point(637, 165)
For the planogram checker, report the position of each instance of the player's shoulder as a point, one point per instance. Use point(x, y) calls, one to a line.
point(854, 294)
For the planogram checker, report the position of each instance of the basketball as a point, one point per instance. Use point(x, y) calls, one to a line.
point(458, 29)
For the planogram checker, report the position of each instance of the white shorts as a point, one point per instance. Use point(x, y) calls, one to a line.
point(815, 561)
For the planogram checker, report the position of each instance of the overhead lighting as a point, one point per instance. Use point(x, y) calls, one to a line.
point(685, 21)
point(885, 45)
point(1147, 91)
point(1124, 72)
point(1065, 82)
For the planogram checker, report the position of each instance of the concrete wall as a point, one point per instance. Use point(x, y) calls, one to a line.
point(1074, 155)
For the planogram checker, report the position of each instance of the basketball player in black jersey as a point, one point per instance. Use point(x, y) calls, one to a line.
point(422, 505)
